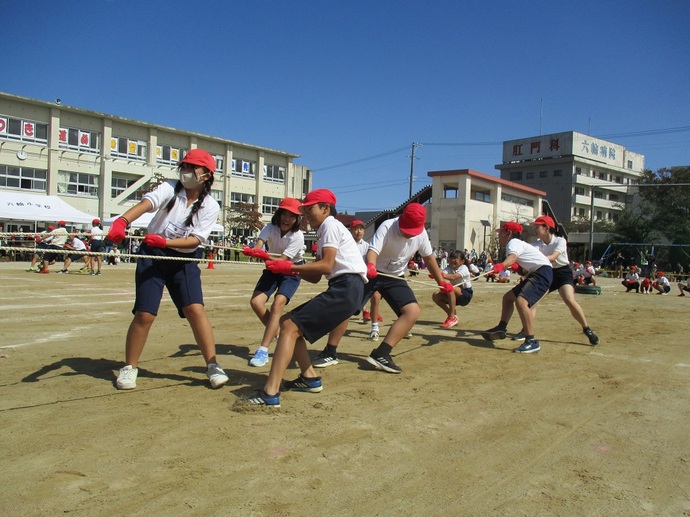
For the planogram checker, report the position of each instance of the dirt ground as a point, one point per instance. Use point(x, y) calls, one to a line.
point(467, 429)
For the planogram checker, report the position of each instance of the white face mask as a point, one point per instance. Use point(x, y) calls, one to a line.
point(189, 180)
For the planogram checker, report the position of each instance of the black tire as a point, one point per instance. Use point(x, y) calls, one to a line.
point(588, 289)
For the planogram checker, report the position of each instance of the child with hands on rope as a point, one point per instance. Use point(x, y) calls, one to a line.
point(285, 241)
point(185, 215)
point(538, 274)
point(395, 242)
point(339, 260)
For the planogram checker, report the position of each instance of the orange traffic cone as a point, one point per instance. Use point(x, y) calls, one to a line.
point(210, 261)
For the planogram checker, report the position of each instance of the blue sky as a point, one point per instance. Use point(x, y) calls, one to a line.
point(350, 85)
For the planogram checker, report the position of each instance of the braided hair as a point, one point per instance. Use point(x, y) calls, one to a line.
point(197, 204)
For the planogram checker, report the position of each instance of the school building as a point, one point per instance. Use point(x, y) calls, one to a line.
point(102, 164)
point(584, 177)
point(467, 207)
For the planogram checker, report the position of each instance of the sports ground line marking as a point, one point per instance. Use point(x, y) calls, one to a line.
point(61, 335)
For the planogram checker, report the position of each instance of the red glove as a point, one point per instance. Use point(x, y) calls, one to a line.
point(446, 287)
point(498, 268)
point(514, 267)
point(247, 251)
point(280, 267)
point(117, 230)
point(261, 254)
point(371, 270)
point(155, 241)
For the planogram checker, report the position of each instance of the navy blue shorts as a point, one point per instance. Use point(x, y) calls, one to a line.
point(321, 314)
point(181, 278)
point(96, 245)
point(285, 284)
point(75, 256)
point(396, 292)
point(53, 256)
point(465, 297)
point(535, 286)
point(561, 276)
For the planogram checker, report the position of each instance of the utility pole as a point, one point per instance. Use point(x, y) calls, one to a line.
point(414, 146)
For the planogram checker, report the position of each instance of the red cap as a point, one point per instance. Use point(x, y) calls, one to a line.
point(356, 223)
point(96, 221)
point(200, 158)
point(660, 274)
point(320, 195)
point(51, 227)
point(62, 223)
point(412, 220)
point(545, 220)
point(511, 226)
point(291, 205)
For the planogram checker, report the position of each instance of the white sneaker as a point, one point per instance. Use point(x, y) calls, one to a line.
point(374, 336)
point(127, 380)
point(216, 376)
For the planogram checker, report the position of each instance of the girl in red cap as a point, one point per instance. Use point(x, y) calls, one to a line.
point(96, 245)
point(538, 276)
point(285, 241)
point(555, 248)
point(185, 215)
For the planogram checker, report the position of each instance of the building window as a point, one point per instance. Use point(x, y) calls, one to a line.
point(218, 196)
point(270, 205)
point(579, 191)
point(169, 155)
point(119, 184)
point(274, 173)
point(543, 174)
point(516, 199)
point(123, 147)
point(630, 164)
point(238, 197)
point(77, 183)
point(244, 168)
point(613, 197)
point(600, 215)
point(220, 164)
point(481, 195)
point(578, 171)
point(598, 194)
point(23, 178)
point(450, 192)
point(23, 130)
point(619, 180)
point(557, 173)
point(79, 140)
point(516, 176)
point(529, 176)
point(581, 212)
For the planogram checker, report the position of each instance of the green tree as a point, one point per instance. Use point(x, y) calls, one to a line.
point(666, 195)
point(244, 216)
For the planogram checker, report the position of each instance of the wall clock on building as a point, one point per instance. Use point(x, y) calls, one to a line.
point(21, 154)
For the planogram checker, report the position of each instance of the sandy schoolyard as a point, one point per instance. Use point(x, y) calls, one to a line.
point(467, 429)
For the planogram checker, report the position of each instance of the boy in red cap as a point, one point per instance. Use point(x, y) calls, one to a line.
point(58, 240)
point(538, 277)
point(42, 242)
point(631, 280)
point(185, 215)
point(285, 241)
point(95, 245)
point(555, 248)
point(339, 260)
point(395, 242)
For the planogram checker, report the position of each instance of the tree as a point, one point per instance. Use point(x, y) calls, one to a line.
point(665, 194)
point(244, 216)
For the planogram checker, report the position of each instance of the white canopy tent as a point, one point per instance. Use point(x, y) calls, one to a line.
point(145, 219)
point(18, 206)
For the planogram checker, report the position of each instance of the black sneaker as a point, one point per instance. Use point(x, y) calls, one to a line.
point(303, 384)
point(383, 362)
point(494, 334)
point(593, 339)
point(324, 359)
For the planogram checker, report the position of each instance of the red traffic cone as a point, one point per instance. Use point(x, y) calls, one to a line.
point(210, 261)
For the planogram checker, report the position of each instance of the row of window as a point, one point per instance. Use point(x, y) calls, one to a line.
point(82, 140)
point(557, 173)
point(83, 184)
point(599, 215)
point(517, 175)
point(598, 194)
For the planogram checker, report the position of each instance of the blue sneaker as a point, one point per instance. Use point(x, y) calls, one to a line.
point(264, 399)
point(311, 385)
point(528, 347)
point(260, 358)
